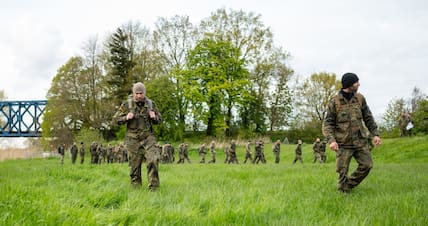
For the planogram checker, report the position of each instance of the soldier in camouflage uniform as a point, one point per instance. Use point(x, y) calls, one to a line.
point(100, 153)
point(343, 128)
point(82, 153)
point(323, 154)
point(317, 150)
point(139, 113)
point(233, 158)
point(212, 149)
point(258, 153)
point(182, 150)
point(298, 152)
point(202, 153)
point(248, 152)
point(276, 150)
point(94, 156)
point(61, 152)
point(73, 152)
point(186, 152)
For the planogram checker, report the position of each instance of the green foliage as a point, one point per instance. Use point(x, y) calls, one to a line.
point(119, 79)
point(392, 114)
point(216, 79)
point(314, 95)
point(87, 136)
point(43, 192)
point(420, 117)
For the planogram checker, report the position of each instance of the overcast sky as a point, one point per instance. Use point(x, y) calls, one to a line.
point(385, 42)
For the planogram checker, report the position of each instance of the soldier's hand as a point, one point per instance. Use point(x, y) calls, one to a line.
point(334, 146)
point(377, 141)
point(152, 114)
point(129, 116)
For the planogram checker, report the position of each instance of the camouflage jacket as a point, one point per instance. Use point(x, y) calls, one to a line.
point(141, 125)
point(317, 147)
point(346, 121)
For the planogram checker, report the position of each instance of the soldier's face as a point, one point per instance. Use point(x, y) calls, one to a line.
point(354, 87)
point(138, 97)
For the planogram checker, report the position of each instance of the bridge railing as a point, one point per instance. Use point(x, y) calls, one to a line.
point(21, 118)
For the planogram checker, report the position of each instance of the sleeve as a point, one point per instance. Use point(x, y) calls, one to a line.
point(158, 117)
point(120, 116)
point(329, 124)
point(369, 119)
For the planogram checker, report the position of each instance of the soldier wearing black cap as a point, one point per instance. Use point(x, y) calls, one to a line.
point(344, 129)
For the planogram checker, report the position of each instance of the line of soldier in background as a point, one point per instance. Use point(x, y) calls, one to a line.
point(118, 154)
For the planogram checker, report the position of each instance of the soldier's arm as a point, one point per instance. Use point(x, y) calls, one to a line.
point(158, 117)
point(330, 122)
point(369, 119)
point(120, 116)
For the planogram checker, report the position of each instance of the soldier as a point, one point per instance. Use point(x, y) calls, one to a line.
point(82, 153)
point(186, 152)
point(110, 154)
point(323, 155)
point(164, 153)
point(94, 156)
point(402, 123)
point(317, 150)
point(202, 153)
point(100, 153)
point(61, 152)
point(212, 149)
point(139, 113)
point(183, 153)
point(73, 152)
point(227, 154)
point(233, 156)
point(298, 152)
point(248, 152)
point(258, 153)
point(171, 153)
point(276, 150)
point(347, 114)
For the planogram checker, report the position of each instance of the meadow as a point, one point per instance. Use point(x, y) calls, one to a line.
point(43, 192)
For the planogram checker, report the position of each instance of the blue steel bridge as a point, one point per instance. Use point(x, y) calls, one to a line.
point(21, 118)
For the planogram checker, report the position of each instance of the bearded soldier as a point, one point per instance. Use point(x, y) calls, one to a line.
point(344, 128)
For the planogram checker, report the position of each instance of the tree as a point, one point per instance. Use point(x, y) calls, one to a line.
point(174, 38)
point(216, 77)
point(67, 109)
point(93, 72)
point(246, 32)
point(314, 94)
point(420, 117)
point(121, 60)
point(279, 95)
point(417, 97)
point(392, 114)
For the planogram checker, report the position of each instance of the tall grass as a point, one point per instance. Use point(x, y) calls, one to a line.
point(43, 192)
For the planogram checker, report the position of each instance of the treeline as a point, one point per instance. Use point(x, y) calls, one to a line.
point(224, 76)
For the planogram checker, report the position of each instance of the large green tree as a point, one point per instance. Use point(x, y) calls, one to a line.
point(217, 78)
point(254, 40)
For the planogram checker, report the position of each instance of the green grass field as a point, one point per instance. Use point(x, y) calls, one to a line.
point(43, 192)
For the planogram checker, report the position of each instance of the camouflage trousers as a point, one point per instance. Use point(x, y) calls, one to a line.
point(248, 156)
point(139, 150)
point(343, 158)
point(276, 156)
